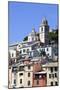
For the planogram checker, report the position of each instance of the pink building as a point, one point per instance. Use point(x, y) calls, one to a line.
point(39, 76)
point(39, 79)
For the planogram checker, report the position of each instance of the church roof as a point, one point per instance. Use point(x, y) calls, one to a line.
point(33, 32)
point(44, 21)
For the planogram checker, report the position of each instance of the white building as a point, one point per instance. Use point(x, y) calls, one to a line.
point(32, 36)
point(24, 49)
point(51, 52)
point(42, 35)
point(12, 55)
point(52, 73)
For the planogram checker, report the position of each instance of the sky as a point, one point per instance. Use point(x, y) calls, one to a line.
point(22, 17)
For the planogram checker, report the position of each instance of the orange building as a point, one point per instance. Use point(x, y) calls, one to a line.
point(39, 79)
point(37, 67)
point(39, 76)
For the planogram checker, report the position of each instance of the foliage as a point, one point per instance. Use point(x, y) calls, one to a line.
point(25, 39)
point(53, 36)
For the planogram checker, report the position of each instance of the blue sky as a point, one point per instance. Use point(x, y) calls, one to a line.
point(22, 17)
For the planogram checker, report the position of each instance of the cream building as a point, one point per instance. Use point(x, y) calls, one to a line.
point(10, 77)
point(52, 73)
point(21, 76)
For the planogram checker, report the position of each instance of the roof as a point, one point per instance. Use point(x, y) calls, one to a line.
point(50, 64)
point(42, 72)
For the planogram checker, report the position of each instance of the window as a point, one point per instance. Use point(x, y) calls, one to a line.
point(49, 75)
point(32, 39)
point(23, 50)
point(28, 83)
point(37, 76)
point(56, 68)
point(48, 54)
point(55, 74)
point(21, 68)
point(14, 69)
point(37, 82)
point(20, 80)
point(56, 83)
point(40, 76)
point(28, 74)
point(51, 69)
point(27, 50)
point(51, 83)
point(20, 74)
point(52, 75)
point(47, 49)
point(28, 67)
point(20, 51)
point(14, 81)
point(42, 29)
point(12, 54)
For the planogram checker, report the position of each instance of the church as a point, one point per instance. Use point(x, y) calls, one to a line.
point(42, 34)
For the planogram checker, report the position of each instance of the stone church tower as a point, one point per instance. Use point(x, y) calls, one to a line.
point(43, 31)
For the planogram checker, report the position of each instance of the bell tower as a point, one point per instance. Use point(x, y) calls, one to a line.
point(43, 31)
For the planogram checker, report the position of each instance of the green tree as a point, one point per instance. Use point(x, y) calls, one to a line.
point(25, 39)
point(53, 36)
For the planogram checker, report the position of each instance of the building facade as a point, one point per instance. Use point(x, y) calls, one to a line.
point(52, 73)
